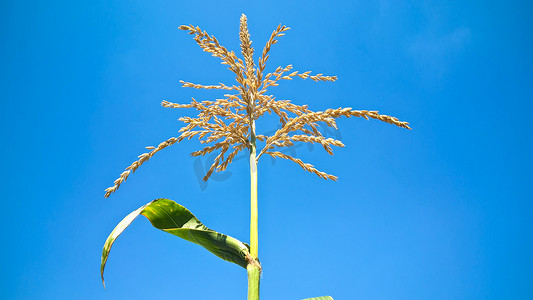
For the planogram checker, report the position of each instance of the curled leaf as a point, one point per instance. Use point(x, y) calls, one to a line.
point(169, 216)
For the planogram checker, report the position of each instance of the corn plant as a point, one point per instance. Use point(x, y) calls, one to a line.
point(227, 126)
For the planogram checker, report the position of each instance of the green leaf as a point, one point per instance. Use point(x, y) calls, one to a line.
point(320, 298)
point(175, 219)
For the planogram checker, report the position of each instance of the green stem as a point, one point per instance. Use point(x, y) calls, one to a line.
point(254, 269)
point(254, 273)
point(253, 201)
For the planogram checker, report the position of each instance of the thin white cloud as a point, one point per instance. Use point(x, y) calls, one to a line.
point(434, 53)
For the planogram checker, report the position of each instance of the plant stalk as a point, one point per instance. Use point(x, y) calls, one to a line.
point(254, 273)
point(254, 269)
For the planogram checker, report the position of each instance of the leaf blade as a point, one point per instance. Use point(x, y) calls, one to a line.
point(117, 231)
point(169, 216)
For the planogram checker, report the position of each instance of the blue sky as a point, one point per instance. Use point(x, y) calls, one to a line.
point(440, 212)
